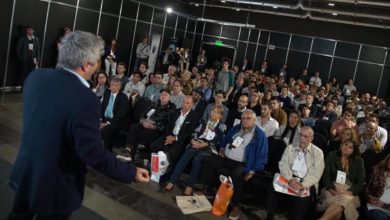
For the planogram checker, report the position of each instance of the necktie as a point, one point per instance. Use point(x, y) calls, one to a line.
point(108, 112)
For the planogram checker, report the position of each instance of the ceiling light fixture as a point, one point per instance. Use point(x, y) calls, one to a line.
point(237, 9)
point(197, 5)
point(335, 14)
point(331, 4)
point(169, 10)
point(275, 7)
point(223, 1)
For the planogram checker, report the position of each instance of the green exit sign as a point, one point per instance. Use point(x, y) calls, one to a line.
point(218, 43)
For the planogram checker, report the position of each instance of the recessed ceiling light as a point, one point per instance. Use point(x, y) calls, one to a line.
point(223, 1)
point(237, 9)
point(169, 10)
point(196, 5)
point(335, 14)
point(275, 7)
point(331, 4)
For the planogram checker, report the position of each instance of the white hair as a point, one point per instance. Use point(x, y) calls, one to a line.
point(78, 48)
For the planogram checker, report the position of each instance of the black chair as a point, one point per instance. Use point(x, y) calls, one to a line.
point(371, 158)
point(321, 130)
point(321, 142)
point(324, 123)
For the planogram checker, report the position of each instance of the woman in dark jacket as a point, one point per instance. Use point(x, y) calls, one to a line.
point(204, 141)
point(110, 54)
point(378, 189)
point(343, 180)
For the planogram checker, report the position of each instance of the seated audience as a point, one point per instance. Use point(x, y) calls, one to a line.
point(114, 112)
point(135, 88)
point(187, 84)
point(277, 112)
point(290, 132)
point(368, 139)
point(152, 124)
point(242, 153)
point(255, 99)
point(219, 97)
point(268, 124)
point(302, 165)
point(177, 95)
point(178, 132)
point(205, 140)
point(206, 89)
point(345, 134)
point(234, 115)
point(343, 180)
point(346, 121)
point(120, 73)
point(305, 116)
point(152, 92)
point(381, 134)
point(102, 84)
point(328, 114)
point(285, 99)
point(199, 105)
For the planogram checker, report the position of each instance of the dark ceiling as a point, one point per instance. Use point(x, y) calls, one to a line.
point(368, 13)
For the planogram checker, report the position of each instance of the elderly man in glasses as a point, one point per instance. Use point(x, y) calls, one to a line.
point(302, 165)
point(242, 153)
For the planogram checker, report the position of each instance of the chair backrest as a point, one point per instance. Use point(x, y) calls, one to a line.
point(321, 130)
point(324, 123)
point(276, 147)
point(321, 142)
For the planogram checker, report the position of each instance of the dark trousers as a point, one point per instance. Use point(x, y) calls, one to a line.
point(137, 133)
point(297, 207)
point(108, 134)
point(214, 165)
point(26, 66)
point(21, 211)
point(173, 151)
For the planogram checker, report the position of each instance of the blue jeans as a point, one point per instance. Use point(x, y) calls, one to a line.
point(197, 160)
point(376, 214)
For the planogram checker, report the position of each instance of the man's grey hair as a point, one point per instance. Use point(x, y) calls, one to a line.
point(116, 80)
point(251, 112)
point(78, 48)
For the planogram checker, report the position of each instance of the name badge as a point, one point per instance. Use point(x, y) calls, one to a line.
point(286, 140)
point(341, 177)
point(152, 97)
point(30, 46)
point(151, 112)
point(210, 135)
point(236, 122)
point(237, 142)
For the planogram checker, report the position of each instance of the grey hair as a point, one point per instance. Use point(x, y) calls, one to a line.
point(253, 114)
point(116, 80)
point(78, 48)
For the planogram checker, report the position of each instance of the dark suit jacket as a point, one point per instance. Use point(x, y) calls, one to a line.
point(61, 135)
point(187, 128)
point(22, 48)
point(120, 109)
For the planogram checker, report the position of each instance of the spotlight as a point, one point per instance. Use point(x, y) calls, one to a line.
point(196, 5)
point(169, 10)
point(331, 4)
point(275, 7)
point(223, 1)
point(237, 9)
point(335, 14)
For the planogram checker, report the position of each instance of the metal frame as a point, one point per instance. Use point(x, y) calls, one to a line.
point(100, 12)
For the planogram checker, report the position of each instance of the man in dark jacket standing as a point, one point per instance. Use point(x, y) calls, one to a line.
point(28, 51)
point(61, 135)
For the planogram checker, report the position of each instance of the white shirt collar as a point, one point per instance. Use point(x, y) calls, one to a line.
point(82, 80)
